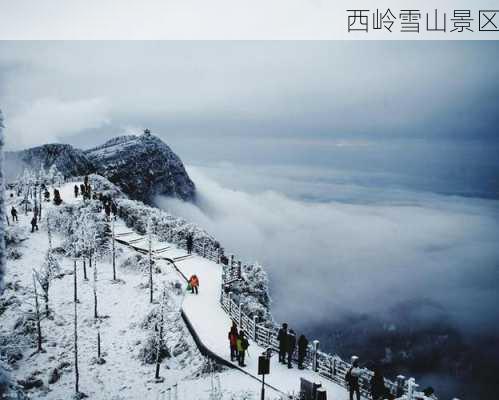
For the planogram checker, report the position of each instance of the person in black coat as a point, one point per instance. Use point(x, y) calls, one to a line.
point(282, 337)
point(76, 190)
point(378, 389)
point(34, 224)
point(13, 212)
point(291, 347)
point(189, 244)
point(302, 350)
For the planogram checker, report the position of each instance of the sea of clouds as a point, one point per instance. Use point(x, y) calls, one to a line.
point(365, 253)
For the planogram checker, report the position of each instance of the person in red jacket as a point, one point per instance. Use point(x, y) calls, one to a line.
point(233, 335)
point(194, 281)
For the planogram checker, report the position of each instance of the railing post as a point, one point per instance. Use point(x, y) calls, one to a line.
point(400, 385)
point(231, 260)
point(239, 269)
point(204, 249)
point(411, 387)
point(255, 318)
point(230, 304)
point(316, 350)
point(240, 314)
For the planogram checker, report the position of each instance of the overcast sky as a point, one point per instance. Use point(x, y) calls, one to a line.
point(376, 106)
point(326, 160)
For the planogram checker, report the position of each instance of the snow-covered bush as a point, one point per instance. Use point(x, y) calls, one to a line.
point(152, 322)
point(164, 225)
point(13, 253)
point(139, 263)
point(85, 231)
point(252, 291)
point(15, 234)
point(106, 188)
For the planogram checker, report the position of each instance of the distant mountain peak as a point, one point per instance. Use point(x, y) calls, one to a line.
point(143, 166)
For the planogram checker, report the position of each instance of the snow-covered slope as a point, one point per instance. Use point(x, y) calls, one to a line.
point(68, 160)
point(124, 324)
point(143, 166)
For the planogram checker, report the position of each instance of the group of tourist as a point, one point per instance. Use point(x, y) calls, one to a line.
point(287, 346)
point(238, 345)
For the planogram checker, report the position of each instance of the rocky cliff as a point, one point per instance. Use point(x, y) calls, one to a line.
point(142, 166)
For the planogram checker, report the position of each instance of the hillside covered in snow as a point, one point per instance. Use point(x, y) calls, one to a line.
point(143, 166)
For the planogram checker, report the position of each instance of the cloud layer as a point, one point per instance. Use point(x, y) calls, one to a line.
point(367, 257)
point(53, 120)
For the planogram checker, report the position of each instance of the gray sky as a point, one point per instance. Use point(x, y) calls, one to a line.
point(426, 110)
point(323, 160)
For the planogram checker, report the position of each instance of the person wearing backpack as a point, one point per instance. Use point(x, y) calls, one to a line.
point(352, 378)
point(233, 335)
point(242, 347)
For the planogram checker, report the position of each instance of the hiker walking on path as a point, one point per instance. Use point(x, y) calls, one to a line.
point(302, 350)
point(352, 378)
point(34, 224)
point(76, 190)
point(189, 243)
point(194, 282)
point(291, 347)
point(242, 347)
point(282, 337)
point(13, 212)
point(233, 335)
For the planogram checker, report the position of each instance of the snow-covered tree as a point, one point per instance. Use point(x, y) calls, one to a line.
point(37, 315)
point(149, 252)
point(94, 286)
point(2, 208)
point(113, 249)
point(49, 269)
point(160, 323)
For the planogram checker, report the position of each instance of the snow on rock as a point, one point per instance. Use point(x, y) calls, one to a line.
point(68, 160)
point(143, 167)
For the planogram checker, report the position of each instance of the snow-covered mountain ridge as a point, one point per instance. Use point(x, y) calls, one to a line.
point(143, 166)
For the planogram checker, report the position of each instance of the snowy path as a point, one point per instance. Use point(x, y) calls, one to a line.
point(209, 320)
point(212, 324)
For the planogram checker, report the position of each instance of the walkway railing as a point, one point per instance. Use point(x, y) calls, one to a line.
point(329, 366)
